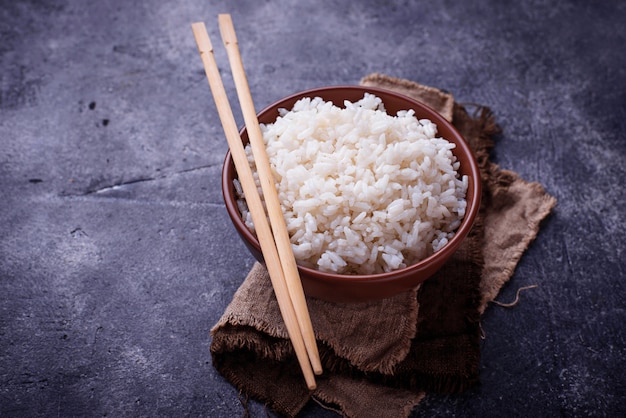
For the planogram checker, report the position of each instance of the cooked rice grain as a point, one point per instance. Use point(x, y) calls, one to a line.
point(362, 191)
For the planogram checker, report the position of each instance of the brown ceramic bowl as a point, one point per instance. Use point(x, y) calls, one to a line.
point(360, 288)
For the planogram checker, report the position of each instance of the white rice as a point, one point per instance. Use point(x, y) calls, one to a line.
point(362, 191)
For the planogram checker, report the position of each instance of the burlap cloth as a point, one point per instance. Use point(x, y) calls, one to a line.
point(381, 358)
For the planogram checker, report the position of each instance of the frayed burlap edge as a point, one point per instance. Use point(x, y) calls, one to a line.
point(498, 271)
point(362, 399)
point(380, 361)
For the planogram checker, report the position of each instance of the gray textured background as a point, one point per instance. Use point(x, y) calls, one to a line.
point(116, 254)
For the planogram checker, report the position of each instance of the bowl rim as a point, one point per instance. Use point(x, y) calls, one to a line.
point(447, 250)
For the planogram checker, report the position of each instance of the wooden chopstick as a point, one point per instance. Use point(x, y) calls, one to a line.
point(264, 234)
point(277, 221)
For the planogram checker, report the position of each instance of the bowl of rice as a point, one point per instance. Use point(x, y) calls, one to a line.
point(377, 189)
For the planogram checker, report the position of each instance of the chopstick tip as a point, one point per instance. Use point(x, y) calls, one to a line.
point(202, 37)
point(198, 26)
point(227, 29)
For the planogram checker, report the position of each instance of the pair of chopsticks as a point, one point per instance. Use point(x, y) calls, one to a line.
point(274, 238)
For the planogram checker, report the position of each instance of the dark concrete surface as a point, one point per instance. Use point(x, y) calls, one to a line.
point(116, 254)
